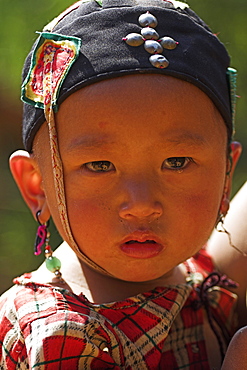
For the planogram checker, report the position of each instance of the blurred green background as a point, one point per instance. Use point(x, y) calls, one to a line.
point(19, 21)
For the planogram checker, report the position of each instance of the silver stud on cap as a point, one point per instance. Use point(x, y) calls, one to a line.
point(159, 61)
point(149, 33)
point(148, 20)
point(168, 43)
point(153, 47)
point(134, 39)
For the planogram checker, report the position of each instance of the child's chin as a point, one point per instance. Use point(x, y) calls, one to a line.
point(134, 277)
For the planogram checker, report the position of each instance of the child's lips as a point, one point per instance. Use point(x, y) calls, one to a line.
point(141, 245)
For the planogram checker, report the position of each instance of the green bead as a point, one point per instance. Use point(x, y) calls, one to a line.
point(53, 264)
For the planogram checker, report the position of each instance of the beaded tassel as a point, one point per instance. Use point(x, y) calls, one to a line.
point(52, 263)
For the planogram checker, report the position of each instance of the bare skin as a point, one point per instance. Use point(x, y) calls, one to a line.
point(236, 356)
point(234, 263)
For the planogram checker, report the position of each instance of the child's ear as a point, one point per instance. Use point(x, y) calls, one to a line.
point(29, 180)
point(235, 152)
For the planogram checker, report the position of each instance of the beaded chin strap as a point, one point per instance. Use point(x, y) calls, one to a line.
point(220, 227)
point(52, 59)
point(56, 159)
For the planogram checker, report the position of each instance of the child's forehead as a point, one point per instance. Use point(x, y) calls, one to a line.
point(101, 113)
point(113, 39)
point(153, 88)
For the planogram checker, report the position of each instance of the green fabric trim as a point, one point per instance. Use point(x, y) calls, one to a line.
point(99, 2)
point(232, 78)
point(58, 37)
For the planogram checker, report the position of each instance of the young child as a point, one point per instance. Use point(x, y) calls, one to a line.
point(127, 124)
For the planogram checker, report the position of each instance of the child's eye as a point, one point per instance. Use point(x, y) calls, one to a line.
point(99, 166)
point(176, 163)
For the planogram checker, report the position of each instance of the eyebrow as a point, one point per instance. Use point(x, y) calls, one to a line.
point(186, 137)
point(90, 142)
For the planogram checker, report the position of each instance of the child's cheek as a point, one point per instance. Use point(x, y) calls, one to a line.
point(202, 212)
point(89, 216)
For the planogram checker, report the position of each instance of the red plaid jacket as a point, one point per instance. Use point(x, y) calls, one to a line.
point(47, 328)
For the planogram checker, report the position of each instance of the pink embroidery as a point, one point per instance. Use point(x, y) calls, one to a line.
point(57, 59)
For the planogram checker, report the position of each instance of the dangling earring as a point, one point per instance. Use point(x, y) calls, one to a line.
point(53, 264)
point(220, 227)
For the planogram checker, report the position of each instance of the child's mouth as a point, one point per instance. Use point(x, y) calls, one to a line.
point(141, 249)
point(136, 241)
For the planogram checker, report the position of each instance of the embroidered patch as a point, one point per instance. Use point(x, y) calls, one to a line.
point(51, 61)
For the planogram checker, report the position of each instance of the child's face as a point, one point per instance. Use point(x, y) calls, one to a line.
point(144, 168)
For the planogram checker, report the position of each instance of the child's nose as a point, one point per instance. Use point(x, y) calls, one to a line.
point(141, 202)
